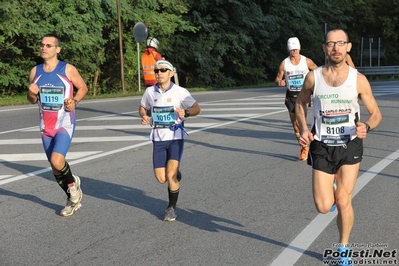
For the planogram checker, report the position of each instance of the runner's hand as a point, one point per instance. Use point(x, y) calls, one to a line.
point(145, 120)
point(180, 112)
point(306, 138)
point(361, 130)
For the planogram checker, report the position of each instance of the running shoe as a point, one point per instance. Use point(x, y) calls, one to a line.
point(75, 191)
point(170, 214)
point(335, 188)
point(70, 208)
point(344, 259)
point(304, 153)
point(77, 180)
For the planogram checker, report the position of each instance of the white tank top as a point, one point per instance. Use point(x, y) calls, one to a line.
point(335, 109)
point(295, 74)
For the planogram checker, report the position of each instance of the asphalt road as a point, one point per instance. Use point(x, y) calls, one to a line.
point(245, 198)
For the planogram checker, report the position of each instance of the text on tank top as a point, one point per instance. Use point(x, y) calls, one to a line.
point(295, 74)
point(335, 109)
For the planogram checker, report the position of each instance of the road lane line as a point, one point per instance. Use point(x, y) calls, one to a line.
point(301, 243)
point(100, 155)
point(25, 157)
point(126, 127)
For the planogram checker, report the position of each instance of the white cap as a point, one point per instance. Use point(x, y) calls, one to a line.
point(293, 43)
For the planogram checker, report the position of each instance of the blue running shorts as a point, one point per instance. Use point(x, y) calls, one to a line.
point(164, 151)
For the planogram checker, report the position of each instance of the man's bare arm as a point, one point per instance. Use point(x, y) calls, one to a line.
point(280, 75)
point(366, 95)
point(311, 64)
point(33, 90)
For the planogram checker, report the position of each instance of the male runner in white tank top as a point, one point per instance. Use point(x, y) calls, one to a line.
point(336, 138)
point(291, 74)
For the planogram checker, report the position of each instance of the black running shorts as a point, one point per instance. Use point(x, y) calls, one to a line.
point(330, 158)
point(290, 100)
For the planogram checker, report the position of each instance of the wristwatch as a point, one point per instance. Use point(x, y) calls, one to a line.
point(367, 127)
point(186, 113)
point(76, 102)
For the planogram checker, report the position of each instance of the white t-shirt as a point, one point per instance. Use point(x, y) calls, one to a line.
point(335, 109)
point(163, 111)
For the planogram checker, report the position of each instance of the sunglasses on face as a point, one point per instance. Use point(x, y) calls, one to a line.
point(47, 45)
point(163, 70)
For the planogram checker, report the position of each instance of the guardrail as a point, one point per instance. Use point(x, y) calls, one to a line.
point(379, 70)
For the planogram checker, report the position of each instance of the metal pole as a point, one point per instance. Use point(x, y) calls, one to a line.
point(138, 65)
point(370, 42)
point(361, 53)
point(325, 33)
point(379, 46)
point(176, 77)
point(118, 3)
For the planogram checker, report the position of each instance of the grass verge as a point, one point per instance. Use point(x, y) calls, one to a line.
point(20, 99)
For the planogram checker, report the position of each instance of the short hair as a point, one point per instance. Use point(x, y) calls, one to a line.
point(346, 34)
point(57, 39)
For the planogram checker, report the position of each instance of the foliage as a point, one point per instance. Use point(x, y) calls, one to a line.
point(218, 43)
point(77, 23)
point(305, 20)
point(373, 18)
point(230, 47)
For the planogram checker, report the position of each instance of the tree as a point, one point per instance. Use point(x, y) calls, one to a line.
point(163, 19)
point(374, 18)
point(215, 43)
point(77, 23)
point(229, 49)
point(302, 19)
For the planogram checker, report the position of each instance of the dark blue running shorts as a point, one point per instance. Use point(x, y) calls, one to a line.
point(163, 151)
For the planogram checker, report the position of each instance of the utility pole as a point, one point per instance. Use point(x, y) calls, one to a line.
point(118, 3)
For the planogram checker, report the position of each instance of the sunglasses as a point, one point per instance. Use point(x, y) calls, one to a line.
point(47, 45)
point(163, 70)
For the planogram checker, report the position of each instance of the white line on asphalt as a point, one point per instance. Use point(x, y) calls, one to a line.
point(300, 244)
point(251, 102)
point(4, 176)
point(243, 109)
point(224, 115)
point(100, 155)
point(75, 140)
point(125, 127)
point(120, 118)
point(114, 117)
point(24, 157)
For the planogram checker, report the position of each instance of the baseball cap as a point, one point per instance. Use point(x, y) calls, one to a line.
point(293, 43)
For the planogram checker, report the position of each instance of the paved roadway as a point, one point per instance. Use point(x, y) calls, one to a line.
point(245, 199)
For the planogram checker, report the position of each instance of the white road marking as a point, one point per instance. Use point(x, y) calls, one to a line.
point(305, 238)
point(103, 154)
point(4, 176)
point(75, 140)
point(125, 127)
point(24, 157)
